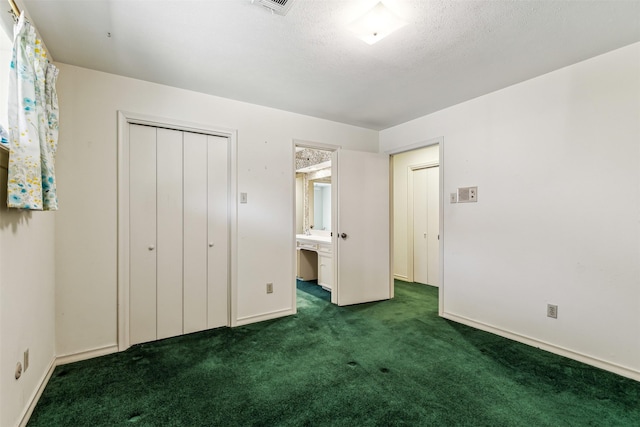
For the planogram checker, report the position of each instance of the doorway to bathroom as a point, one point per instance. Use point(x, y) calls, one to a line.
point(314, 248)
point(346, 252)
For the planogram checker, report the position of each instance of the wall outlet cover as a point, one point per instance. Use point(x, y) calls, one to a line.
point(467, 194)
point(552, 311)
point(473, 194)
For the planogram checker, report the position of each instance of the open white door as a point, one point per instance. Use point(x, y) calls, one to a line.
point(360, 227)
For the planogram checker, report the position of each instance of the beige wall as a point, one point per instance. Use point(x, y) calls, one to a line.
point(557, 163)
point(26, 287)
point(86, 247)
point(27, 319)
point(402, 253)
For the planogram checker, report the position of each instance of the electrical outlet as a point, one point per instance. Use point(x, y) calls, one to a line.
point(552, 311)
point(26, 360)
point(269, 288)
point(473, 194)
point(467, 194)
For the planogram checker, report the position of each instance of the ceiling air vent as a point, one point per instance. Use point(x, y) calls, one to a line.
point(281, 7)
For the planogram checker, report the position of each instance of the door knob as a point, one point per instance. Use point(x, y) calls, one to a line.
point(344, 235)
point(151, 247)
point(210, 244)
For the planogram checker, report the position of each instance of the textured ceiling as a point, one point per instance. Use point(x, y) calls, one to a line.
point(308, 62)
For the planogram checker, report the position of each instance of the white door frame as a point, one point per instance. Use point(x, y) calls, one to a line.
point(410, 236)
point(421, 144)
point(124, 120)
point(315, 146)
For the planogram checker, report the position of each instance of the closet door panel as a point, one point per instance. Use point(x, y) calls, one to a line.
point(195, 232)
point(169, 232)
point(218, 260)
point(420, 231)
point(433, 224)
point(142, 238)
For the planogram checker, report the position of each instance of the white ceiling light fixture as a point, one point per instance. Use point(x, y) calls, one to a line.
point(376, 24)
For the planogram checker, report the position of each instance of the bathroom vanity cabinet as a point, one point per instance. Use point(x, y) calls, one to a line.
point(325, 266)
point(315, 259)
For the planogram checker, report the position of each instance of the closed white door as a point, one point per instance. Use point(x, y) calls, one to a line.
point(433, 226)
point(142, 237)
point(425, 225)
point(169, 232)
point(178, 232)
point(361, 231)
point(218, 232)
point(420, 246)
point(194, 227)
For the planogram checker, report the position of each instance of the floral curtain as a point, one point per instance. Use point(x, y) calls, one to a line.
point(33, 123)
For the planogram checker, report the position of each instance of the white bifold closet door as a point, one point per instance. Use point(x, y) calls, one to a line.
point(426, 220)
point(178, 232)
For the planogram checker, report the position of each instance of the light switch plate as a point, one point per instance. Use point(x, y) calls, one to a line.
point(453, 197)
point(243, 197)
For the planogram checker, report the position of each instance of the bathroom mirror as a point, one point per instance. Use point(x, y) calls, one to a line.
point(322, 206)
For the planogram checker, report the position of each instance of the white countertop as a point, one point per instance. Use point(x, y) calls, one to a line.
point(313, 238)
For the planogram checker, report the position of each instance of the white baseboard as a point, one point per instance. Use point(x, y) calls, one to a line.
point(36, 395)
point(57, 361)
point(262, 317)
point(589, 360)
point(88, 354)
point(401, 277)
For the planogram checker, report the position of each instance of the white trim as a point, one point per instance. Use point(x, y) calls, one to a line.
point(580, 357)
point(232, 303)
point(86, 355)
point(401, 277)
point(294, 265)
point(264, 316)
point(441, 225)
point(392, 284)
point(415, 146)
point(421, 166)
point(313, 145)
point(124, 120)
point(35, 397)
point(181, 125)
point(123, 232)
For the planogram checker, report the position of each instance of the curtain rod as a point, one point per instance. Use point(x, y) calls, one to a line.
point(14, 7)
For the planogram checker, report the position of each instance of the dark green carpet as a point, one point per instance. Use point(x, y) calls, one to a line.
point(387, 363)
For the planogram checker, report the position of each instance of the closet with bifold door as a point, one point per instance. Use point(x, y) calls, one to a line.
point(178, 232)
